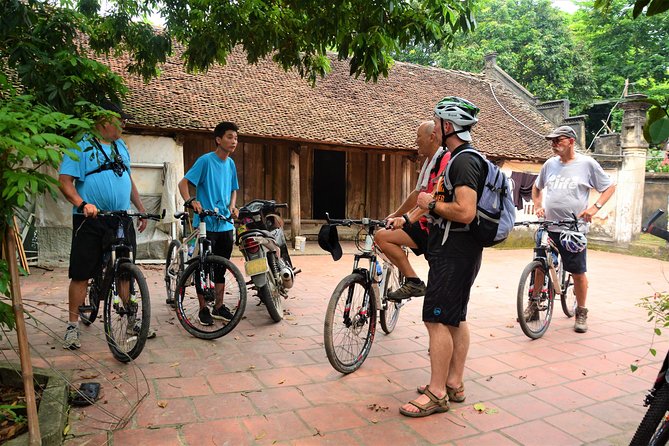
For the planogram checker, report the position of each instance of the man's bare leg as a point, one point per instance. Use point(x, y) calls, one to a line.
point(456, 369)
point(76, 296)
point(391, 243)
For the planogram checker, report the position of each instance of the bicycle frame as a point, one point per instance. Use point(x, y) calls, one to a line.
point(544, 250)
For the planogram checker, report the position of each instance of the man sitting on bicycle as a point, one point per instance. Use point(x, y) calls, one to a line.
point(567, 179)
point(214, 176)
point(413, 235)
point(100, 179)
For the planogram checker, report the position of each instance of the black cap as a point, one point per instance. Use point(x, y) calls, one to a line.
point(328, 240)
point(116, 108)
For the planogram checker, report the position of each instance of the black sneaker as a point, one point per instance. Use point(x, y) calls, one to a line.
point(205, 317)
point(222, 313)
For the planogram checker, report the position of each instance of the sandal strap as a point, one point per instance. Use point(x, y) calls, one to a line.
point(440, 401)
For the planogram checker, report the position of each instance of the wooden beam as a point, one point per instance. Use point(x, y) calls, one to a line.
point(295, 215)
point(35, 438)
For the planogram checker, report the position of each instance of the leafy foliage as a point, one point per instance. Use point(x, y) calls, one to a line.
point(652, 7)
point(534, 45)
point(657, 307)
point(657, 161)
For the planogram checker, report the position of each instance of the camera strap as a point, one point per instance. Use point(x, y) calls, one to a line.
point(117, 164)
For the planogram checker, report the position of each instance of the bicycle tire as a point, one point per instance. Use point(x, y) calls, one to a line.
point(172, 279)
point(187, 302)
point(125, 338)
point(568, 298)
point(534, 328)
point(89, 315)
point(390, 312)
point(648, 428)
point(347, 343)
point(269, 293)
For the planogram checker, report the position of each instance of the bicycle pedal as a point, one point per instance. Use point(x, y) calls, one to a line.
point(297, 271)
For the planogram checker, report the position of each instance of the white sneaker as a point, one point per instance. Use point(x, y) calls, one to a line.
point(71, 339)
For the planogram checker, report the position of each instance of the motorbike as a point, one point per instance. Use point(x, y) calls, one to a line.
point(654, 428)
point(262, 242)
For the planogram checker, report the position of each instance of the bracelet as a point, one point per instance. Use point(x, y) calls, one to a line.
point(81, 207)
point(406, 219)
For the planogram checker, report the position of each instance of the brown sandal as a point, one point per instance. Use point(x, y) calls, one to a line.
point(451, 391)
point(436, 405)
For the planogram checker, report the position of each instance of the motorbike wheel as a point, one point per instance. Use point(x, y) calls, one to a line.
point(269, 294)
point(653, 429)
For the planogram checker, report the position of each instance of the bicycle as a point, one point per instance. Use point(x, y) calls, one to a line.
point(654, 427)
point(196, 288)
point(178, 253)
point(546, 271)
point(350, 319)
point(126, 314)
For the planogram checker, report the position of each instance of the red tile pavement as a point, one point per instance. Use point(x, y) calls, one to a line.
point(267, 383)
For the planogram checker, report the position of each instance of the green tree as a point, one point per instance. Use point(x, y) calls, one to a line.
point(651, 7)
point(623, 48)
point(534, 45)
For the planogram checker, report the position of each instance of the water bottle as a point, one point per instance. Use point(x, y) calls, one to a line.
point(191, 248)
point(379, 272)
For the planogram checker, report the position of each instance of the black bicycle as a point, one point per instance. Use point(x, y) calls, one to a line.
point(350, 320)
point(196, 289)
point(654, 428)
point(543, 279)
point(122, 286)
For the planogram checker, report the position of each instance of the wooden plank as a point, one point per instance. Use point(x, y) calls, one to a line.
point(357, 180)
point(295, 225)
point(19, 247)
point(306, 182)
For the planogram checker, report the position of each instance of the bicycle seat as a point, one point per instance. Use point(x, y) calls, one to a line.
point(180, 215)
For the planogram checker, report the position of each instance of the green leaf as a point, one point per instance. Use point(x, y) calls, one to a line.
point(659, 130)
point(634, 367)
point(479, 407)
point(652, 351)
point(658, 332)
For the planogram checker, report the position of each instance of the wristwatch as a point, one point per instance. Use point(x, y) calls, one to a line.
point(598, 206)
point(431, 205)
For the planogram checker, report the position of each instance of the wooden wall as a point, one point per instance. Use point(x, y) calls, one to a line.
point(376, 183)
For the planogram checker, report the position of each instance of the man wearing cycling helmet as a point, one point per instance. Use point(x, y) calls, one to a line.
point(454, 260)
point(562, 189)
point(413, 235)
point(214, 176)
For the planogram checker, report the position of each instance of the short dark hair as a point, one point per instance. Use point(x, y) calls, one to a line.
point(223, 127)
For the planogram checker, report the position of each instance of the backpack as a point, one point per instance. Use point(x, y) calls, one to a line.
point(495, 210)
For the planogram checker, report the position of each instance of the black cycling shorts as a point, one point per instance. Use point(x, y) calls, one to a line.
point(221, 245)
point(90, 238)
point(419, 237)
point(574, 262)
point(449, 284)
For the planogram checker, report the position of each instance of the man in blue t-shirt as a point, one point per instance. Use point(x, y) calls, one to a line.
point(99, 180)
point(214, 176)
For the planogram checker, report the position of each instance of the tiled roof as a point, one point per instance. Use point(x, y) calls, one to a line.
point(267, 102)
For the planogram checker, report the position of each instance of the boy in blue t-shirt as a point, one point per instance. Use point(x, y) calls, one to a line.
point(214, 176)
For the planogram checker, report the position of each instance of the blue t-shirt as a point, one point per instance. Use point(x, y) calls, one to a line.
point(215, 180)
point(104, 189)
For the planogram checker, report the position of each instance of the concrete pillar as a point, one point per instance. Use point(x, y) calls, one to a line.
point(629, 192)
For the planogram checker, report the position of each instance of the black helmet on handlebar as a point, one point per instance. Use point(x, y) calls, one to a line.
point(328, 240)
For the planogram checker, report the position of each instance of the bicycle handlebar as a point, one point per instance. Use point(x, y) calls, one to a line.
point(649, 228)
point(144, 215)
point(348, 222)
point(571, 223)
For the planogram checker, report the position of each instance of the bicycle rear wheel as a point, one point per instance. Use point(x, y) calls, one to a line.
point(390, 312)
point(568, 298)
point(534, 309)
point(653, 427)
point(173, 268)
point(350, 323)
point(190, 285)
point(127, 313)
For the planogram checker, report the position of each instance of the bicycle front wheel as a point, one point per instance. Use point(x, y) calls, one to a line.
point(173, 268)
point(652, 430)
point(350, 323)
point(568, 298)
point(196, 292)
point(535, 300)
point(127, 312)
point(390, 312)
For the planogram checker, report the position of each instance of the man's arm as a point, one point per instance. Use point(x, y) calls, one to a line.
point(66, 186)
point(233, 204)
point(185, 194)
point(137, 201)
point(601, 201)
point(461, 210)
point(408, 205)
point(537, 197)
